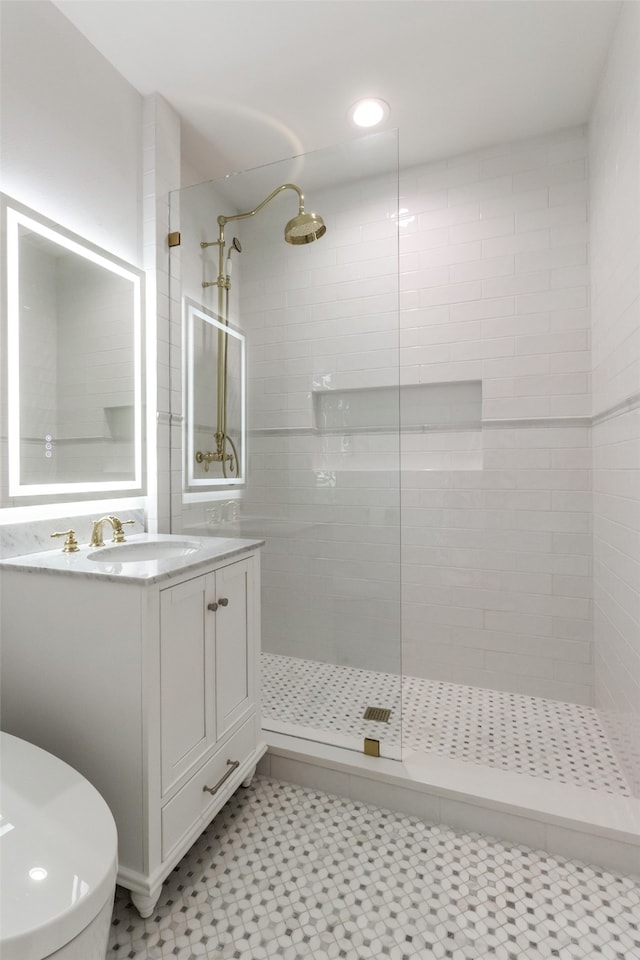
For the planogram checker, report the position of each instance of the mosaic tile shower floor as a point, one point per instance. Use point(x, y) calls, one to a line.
point(285, 872)
point(544, 738)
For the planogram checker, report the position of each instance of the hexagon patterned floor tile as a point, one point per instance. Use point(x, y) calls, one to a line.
point(284, 872)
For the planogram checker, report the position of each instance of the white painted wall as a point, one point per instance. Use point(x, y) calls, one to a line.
point(70, 148)
point(71, 129)
point(615, 240)
point(496, 560)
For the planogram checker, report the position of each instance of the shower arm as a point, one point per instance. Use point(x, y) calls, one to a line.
point(222, 221)
point(274, 193)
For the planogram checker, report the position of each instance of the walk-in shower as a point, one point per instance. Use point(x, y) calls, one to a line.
point(425, 506)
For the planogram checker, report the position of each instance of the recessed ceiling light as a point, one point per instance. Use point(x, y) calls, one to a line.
point(368, 113)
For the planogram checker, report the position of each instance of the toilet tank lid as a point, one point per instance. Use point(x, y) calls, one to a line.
point(58, 851)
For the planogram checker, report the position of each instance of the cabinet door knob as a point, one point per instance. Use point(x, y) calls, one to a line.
point(223, 601)
point(212, 606)
point(233, 765)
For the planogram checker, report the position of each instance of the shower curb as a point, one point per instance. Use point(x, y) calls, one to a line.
point(564, 820)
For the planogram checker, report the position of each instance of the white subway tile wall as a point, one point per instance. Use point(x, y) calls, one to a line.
point(499, 562)
point(511, 289)
point(322, 318)
point(495, 522)
point(38, 360)
point(496, 562)
point(95, 363)
point(615, 282)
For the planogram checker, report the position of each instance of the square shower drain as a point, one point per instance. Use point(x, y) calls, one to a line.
point(380, 714)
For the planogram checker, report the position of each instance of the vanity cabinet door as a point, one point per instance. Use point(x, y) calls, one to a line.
point(235, 695)
point(187, 665)
point(207, 665)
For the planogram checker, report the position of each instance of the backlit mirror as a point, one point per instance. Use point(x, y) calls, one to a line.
point(73, 370)
point(215, 388)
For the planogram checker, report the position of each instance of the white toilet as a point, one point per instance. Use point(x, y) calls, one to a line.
point(58, 858)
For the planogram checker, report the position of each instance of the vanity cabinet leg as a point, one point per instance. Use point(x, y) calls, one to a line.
point(144, 905)
point(248, 780)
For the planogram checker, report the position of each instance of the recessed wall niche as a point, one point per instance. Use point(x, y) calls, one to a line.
point(439, 425)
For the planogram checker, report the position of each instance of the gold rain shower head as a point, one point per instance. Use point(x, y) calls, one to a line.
point(305, 228)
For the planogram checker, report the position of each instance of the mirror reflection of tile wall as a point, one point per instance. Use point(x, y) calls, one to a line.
point(38, 361)
point(96, 375)
point(76, 368)
point(73, 371)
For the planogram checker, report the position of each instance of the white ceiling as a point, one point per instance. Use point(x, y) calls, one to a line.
point(256, 81)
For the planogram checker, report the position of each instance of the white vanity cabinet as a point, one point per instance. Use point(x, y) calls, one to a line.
point(202, 624)
point(150, 689)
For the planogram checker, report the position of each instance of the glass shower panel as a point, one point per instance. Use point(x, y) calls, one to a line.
point(323, 485)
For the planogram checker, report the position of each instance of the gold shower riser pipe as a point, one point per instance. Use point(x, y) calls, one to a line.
point(293, 234)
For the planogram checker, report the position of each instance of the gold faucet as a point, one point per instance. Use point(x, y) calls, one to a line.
point(116, 524)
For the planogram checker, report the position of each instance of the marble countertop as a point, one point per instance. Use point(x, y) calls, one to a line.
point(198, 552)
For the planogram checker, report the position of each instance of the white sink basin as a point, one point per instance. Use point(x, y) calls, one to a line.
point(149, 550)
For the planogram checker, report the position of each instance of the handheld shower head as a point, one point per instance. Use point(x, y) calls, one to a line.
point(234, 245)
point(305, 228)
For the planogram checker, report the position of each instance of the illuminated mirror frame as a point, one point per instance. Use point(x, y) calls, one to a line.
point(15, 216)
point(193, 313)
